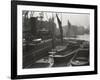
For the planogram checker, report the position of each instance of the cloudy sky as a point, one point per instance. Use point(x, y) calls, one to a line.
point(74, 18)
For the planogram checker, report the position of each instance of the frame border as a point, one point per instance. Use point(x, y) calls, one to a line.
point(14, 39)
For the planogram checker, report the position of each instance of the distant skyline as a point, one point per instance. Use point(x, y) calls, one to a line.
point(78, 19)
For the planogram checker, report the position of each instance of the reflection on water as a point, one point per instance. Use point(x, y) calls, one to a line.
point(84, 37)
point(80, 37)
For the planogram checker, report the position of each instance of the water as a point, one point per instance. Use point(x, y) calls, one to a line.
point(84, 37)
point(80, 37)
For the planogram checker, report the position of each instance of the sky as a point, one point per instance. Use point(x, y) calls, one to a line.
point(78, 19)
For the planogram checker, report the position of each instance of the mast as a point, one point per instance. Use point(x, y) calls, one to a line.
point(60, 27)
point(68, 31)
point(53, 32)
